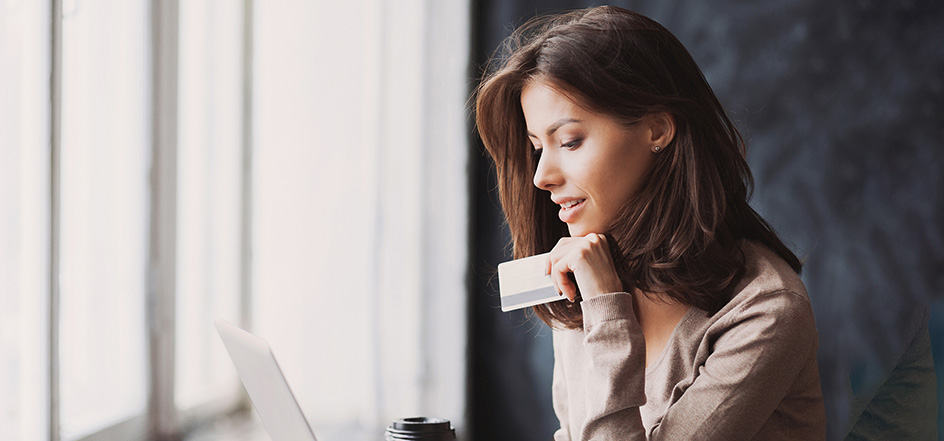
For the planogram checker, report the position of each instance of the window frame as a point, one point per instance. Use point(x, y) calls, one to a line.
point(162, 419)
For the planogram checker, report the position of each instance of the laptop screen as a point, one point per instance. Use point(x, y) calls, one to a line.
point(270, 394)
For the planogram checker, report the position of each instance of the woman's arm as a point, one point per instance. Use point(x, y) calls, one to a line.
point(616, 378)
point(615, 384)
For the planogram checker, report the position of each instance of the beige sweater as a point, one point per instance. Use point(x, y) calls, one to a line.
point(748, 372)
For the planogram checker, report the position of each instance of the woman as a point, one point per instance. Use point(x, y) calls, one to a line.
point(687, 318)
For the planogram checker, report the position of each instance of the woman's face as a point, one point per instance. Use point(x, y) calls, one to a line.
point(590, 163)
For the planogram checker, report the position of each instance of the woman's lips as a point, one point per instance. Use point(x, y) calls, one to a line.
point(570, 209)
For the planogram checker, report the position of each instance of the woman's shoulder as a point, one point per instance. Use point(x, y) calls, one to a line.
point(766, 273)
point(768, 287)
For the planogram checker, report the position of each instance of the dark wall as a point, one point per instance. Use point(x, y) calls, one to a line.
point(841, 105)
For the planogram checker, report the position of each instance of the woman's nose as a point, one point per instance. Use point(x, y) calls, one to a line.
point(547, 174)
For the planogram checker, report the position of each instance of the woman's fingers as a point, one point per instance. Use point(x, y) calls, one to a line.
point(595, 238)
point(553, 268)
point(588, 258)
point(564, 286)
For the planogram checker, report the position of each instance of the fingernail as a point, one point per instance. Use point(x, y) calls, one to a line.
point(560, 293)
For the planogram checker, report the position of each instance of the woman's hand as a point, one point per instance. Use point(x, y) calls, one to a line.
point(589, 258)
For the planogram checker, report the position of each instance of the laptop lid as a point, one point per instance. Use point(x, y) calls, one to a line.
point(273, 399)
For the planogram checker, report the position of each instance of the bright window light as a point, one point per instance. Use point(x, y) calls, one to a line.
point(104, 198)
point(208, 196)
point(359, 209)
point(24, 220)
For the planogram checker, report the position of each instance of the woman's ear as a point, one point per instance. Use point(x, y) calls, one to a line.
point(661, 130)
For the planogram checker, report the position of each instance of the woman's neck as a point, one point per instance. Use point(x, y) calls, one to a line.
point(658, 316)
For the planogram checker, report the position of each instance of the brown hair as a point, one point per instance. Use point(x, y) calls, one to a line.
point(680, 235)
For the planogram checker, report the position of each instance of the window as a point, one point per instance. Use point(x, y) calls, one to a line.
point(361, 201)
point(80, 227)
point(104, 215)
point(138, 212)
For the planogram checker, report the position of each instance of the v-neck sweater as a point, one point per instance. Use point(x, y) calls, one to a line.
point(747, 372)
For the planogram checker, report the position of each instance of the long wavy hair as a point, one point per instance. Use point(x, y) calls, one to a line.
point(680, 235)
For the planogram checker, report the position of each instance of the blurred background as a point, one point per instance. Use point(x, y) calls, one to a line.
point(309, 170)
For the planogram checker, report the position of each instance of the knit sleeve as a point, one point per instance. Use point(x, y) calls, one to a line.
point(615, 384)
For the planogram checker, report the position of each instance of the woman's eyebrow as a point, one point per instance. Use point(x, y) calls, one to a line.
point(553, 128)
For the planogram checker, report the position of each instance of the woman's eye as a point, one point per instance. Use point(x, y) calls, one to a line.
point(572, 144)
point(536, 154)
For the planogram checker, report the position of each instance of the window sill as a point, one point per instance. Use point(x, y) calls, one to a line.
point(240, 426)
point(247, 427)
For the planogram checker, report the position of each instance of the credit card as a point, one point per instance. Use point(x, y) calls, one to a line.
point(522, 283)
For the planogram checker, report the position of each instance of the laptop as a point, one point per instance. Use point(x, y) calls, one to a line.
point(273, 399)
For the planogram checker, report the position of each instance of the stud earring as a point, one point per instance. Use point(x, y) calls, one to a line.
point(657, 149)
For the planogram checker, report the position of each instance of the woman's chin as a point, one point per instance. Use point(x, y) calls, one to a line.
point(577, 230)
point(583, 229)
